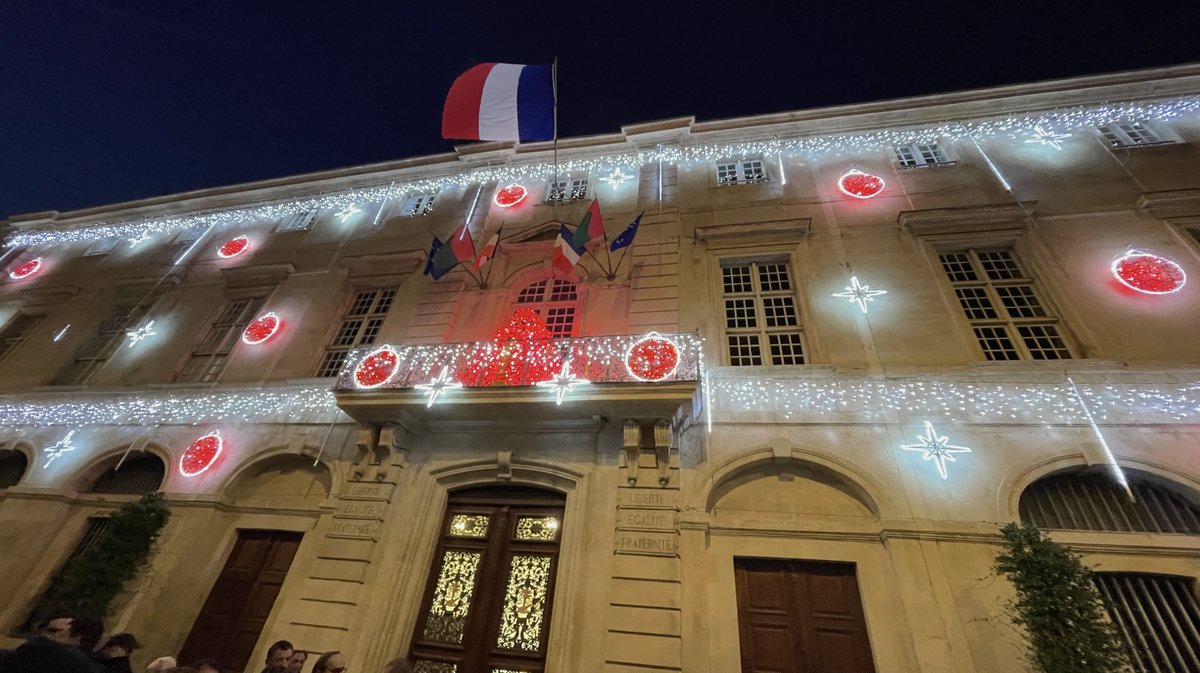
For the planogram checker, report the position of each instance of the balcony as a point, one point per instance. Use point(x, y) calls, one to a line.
point(516, 382)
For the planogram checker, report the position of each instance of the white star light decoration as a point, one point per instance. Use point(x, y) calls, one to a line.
point(57, 449)
point(143, 332)
point(347, 212)
point(563, 382)
point(438, 386)
point(616, 178)
point(859, 294)
point(936, 448)
point(144, 236)
point(1043, 137)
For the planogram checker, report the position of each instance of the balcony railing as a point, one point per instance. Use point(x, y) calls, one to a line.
point(651, 358)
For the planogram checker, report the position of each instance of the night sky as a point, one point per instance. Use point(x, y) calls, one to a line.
point(107, 101)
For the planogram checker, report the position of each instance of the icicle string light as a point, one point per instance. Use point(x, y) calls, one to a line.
point(1016, 128)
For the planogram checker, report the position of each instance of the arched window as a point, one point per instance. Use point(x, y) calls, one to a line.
point(136, 475)
point(12, 467)
point(555, 300)
point(1156, 615)
point(1078, 501)
point(489, 593)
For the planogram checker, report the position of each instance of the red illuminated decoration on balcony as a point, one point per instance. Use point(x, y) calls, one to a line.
point(652, 358)
point(26, 269)
point(234, 247)
point(377, 368)
point(521, 352)
point(510, 196)
point(201, 454)
point(263, 328)
point(1148, 273)
point(860, 185)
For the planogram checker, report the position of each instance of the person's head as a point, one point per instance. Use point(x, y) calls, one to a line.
point(296, 663)
point(400, 665)
point(330, 662)
point(120, 645)
point(279, 653)
point(90, 631)
point(60, 627)
point(161, 665)
point(207, 666)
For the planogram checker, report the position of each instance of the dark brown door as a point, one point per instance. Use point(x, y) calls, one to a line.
point(800, 617)
point(238, 605)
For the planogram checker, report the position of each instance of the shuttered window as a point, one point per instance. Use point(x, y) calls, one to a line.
point(1158, 617)
point(136, 475)
point(1095, 502)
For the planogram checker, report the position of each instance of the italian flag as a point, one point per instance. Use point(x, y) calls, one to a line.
point(590, 227)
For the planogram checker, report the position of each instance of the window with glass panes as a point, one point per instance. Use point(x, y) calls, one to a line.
point(488, 599)
point(298, 222)
point(762, 319)
point(102, 246)
point(420, 203)
point(741, 171)
point(14, 333)
point(567, 189)
point(212, 353)
point(555, 300)
point(1008, 317)
point(359, 327)
point(183, 243)
point(107, 338)
point(920, 154)
point(1130, 134)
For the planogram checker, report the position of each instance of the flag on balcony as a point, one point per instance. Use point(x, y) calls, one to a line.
point(625, 239)
point(445, 256)
point(489, 249)
point(590, 227)
point(566, 255)
point(501, 101)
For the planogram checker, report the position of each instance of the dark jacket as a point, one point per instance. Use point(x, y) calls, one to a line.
point(39, 655)
point(111, 664)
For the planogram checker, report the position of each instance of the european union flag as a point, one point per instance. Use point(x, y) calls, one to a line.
point(627, 236)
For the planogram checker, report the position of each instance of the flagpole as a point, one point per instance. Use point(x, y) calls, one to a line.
point(608, 253)
point(554, 88)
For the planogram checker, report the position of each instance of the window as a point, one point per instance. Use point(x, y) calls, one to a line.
point(555, 301)
point(183, 244)
point(299, 222)
point(211, 354)
point(1131, 134)
point(1156, 615)
point(567, 189)
point(14, 333)
point(487, 604)
point(102, 246)
point(137, 474)
point(741, 172)
point(760, 310)
point(420, 203)
point(13, 464)
point(1008, 319)
point(1076, 501)
point(920, 154)
point(360, 326)
point(109, 336)
point(95, 529)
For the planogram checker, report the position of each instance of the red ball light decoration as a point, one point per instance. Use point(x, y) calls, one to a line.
point(652, 358)
point(510, 196)
point(1148, 273)
point(201, 454)
point(234, 247)
point(26, 269)
point(860, 185)
point(377, 368)
point(264, 327)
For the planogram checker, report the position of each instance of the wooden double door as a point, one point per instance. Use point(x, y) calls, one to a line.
point(237, 608)
point(800, 617)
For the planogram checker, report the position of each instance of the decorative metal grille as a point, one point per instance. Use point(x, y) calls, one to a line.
point(138, 474)
point(452, 596)
point(543, 528)
point(426, 666)
point(1158, 616)
point(468, 525)
point(1094, 502)
point(524, 603)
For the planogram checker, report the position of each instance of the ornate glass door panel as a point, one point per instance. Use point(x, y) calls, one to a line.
point(487, 603)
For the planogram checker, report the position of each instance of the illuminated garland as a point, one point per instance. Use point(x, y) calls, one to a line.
point(1018, 128)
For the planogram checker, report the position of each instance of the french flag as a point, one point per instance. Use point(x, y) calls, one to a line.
point(501, 101)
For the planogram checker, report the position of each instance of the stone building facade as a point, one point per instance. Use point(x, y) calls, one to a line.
point(795, 472)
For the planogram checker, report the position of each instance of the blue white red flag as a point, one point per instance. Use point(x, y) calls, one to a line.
point(501, 101)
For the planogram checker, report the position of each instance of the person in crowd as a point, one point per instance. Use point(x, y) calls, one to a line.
point(162, 665)
point(90, 633)
point(330, 662)
point(207, 666)
point(278, 655)
point(54, 649)
point(400, 665)
point(296, 663)
point(114, 656)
